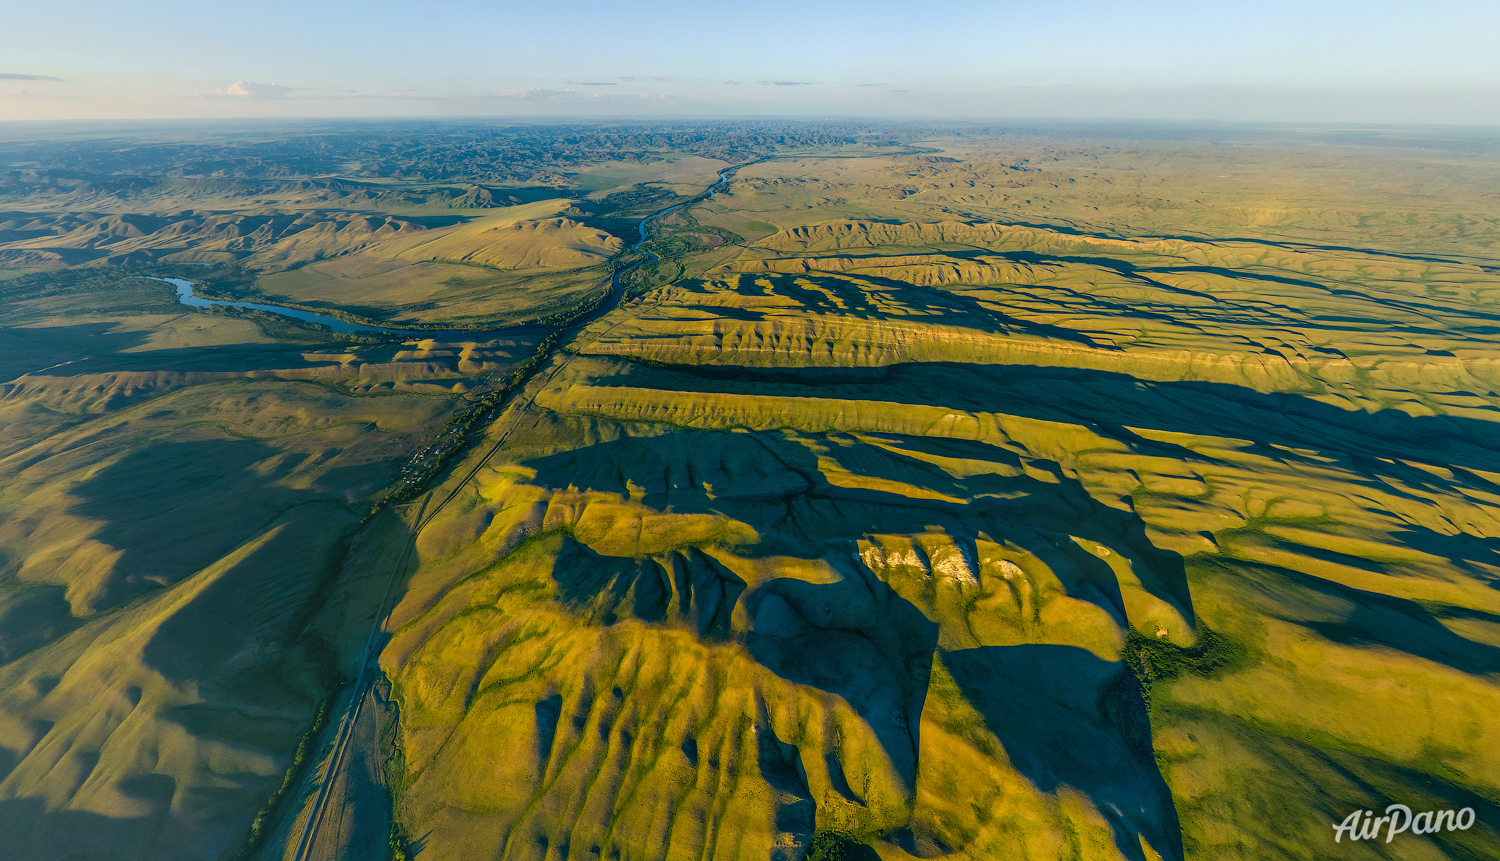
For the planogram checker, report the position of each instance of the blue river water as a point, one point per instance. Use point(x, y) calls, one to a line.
point(186, 296)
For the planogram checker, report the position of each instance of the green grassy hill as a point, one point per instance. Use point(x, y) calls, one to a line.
point(1012, 496)
point(974, 540)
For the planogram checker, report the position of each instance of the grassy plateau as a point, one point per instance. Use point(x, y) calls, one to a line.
point(925, 492)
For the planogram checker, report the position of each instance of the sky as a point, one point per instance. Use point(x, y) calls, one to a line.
point(1308, 61)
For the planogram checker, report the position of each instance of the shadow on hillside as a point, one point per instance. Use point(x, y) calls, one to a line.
point(1350, 616)
point(59, 350)
point(1064, 716)
point(221, 358)
point(690, 586)
point(780, 765)
point(919, 304)
point(172, 508)
point(775, 484)
point(1068, 719)
point(33, 829)
point(1107, 398)
point(31, 616)
point(856, 638)
point(234, 638)
point(1282, 427)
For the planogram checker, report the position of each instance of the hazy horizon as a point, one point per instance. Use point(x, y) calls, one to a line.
point(1380, 63)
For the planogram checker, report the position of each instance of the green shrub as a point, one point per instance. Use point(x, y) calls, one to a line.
point(838, 846)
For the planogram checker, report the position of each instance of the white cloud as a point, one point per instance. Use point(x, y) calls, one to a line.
point(251, 91)
point(529, 95)
point(13, 76)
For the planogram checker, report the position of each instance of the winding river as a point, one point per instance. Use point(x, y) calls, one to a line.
point(186, 296)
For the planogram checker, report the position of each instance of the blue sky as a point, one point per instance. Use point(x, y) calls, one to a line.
point(1435, 62)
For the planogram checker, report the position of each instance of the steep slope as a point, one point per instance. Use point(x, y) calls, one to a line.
point(525, 237)
point(529, 236)
point(1072, 555)
point(1043, 498)
point(177, 491)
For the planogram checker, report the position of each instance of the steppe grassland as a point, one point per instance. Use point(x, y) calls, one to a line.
point(470, 269)
point(488, 269)
point(175, 490)
point(683, 174)
point(883, 523)
point(1104, 453)
point(375, 256)
point(530, 236)
point(396, 292)
point(1431, 202)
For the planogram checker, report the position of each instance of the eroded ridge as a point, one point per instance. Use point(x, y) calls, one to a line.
point(1045, 546)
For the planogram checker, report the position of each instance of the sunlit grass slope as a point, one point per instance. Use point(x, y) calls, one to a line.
point(1035, 498)
point(385, 249)
point(981, 540)
point(440, 269)
point(526, 237)
point(176, 489)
